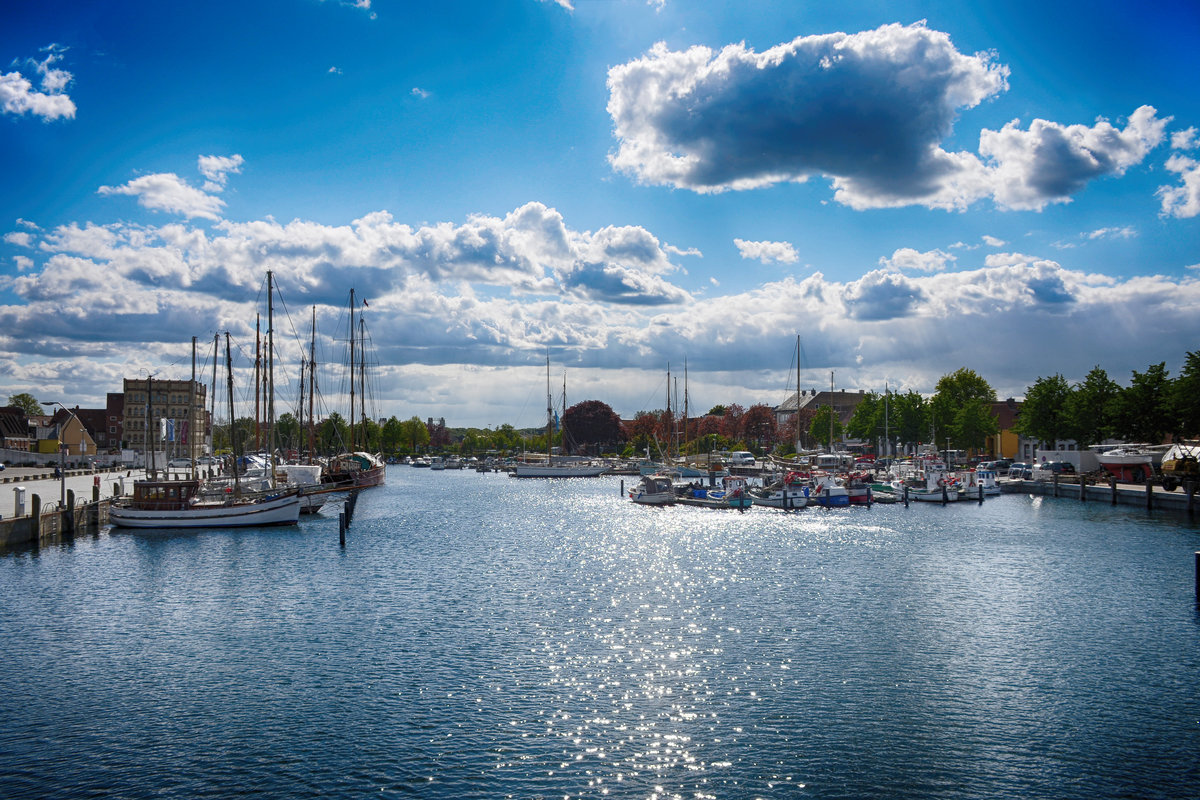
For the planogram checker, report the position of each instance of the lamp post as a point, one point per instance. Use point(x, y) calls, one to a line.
point(62, 447)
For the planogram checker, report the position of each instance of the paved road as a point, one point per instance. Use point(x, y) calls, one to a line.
point(50, 489)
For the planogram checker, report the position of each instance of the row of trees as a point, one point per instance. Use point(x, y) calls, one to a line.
point(1152, 408)
point(959, 415)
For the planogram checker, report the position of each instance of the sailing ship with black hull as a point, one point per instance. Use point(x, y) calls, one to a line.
point(356, 468)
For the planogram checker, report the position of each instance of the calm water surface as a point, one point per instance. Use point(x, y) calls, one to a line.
point(484, 637)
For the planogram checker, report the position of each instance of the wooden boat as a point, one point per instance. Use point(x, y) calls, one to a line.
point(181, 504)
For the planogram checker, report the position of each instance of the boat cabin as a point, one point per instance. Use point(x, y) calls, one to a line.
point(164, 495)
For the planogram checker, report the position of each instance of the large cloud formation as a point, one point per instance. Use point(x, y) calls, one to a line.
point(869, 110)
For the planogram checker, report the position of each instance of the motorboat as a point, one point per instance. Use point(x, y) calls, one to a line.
point(1129, 462)
point(790, 493)
point(653, 490)
point(182, 504)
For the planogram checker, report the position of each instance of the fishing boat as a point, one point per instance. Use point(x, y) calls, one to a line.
point(790, 493)
point(732, 493)
point(827, 492)
point(562, 469)
point(653, 490)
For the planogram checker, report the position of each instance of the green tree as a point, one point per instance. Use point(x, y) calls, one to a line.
point(27, 403)
point(287, 432)
point(868, 412)
point(1143, 413)
point(951, 394)
point(332, 434)
point(1185, 396)
point(911, 414)
point(416, 433)
point(1044, 414)
point(392, 435)
point(820, 428)
point(1090, 408)
point(974, 423)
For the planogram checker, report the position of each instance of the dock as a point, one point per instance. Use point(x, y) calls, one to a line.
point(1150, 496)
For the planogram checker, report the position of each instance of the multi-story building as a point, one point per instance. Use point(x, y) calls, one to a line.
point(167, 416)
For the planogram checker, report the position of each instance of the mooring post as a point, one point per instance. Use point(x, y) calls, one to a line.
point(945, 495)
point(70, 510)
point(1083, 488)
point(35, 512)
point(622, 487)
point(342, 528)
point(906, 495)
point(1198, 576)
point(1055, 480)
point(980, 493)
point(1149, 495)
point(1190, 487)
point(1112, 481)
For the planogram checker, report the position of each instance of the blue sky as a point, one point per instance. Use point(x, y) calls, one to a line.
point(910, 187)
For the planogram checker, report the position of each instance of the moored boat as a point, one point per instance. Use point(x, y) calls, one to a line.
point(790, 493)
point(180, 504)
point(653, 490)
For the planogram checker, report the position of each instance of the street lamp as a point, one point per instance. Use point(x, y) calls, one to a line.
point(62, 467)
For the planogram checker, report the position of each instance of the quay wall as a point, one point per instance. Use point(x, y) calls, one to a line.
point(54, 525)
point(1148, 496)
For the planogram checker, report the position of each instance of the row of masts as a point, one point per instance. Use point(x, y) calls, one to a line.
point(264, 385)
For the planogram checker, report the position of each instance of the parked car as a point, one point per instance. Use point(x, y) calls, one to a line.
point(180, 463)
point(740, 458)
point(1001, 465)
point(1021, 470)
point(1046, 470)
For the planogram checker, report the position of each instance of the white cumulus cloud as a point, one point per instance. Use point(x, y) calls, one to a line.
point(910, 259)
point(17, 95)
point(768, 252)
point(1183, 200)
point(168, 192)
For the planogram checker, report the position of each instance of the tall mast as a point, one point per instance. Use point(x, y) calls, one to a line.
point(312, 386)
point(237, 484)
point(351, 370)
point(670, 416)
point(271, 376)
point(887, 441)
point(257, 380)
point(191, 415)
point(831, 411)
point(151, 428)
point(362, 377)
point(213, 400)
point(797, 393)
point(685, 404)
point(549, 415)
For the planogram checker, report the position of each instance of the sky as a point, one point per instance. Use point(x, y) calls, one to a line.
point(618, 186)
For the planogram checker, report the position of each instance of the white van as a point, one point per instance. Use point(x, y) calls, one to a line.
point(741, 458)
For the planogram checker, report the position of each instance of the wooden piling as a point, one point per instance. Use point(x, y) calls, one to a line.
point(1190, 487)
point(1082, 488)
point(1149, 495)
point(906, 495)
point(980, 486)
point(1112, 481)
point(622, 487)
point(342, 528)
point(1198, 576)
point(1055, 482)
point(69, 524)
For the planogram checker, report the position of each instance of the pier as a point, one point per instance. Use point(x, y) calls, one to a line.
point(1151, 496)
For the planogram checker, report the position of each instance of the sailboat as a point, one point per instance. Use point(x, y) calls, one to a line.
point(550, 469)
point(356, 469)
point(186, 503)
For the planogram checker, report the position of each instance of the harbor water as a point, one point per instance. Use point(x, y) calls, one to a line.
point(480, 636)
